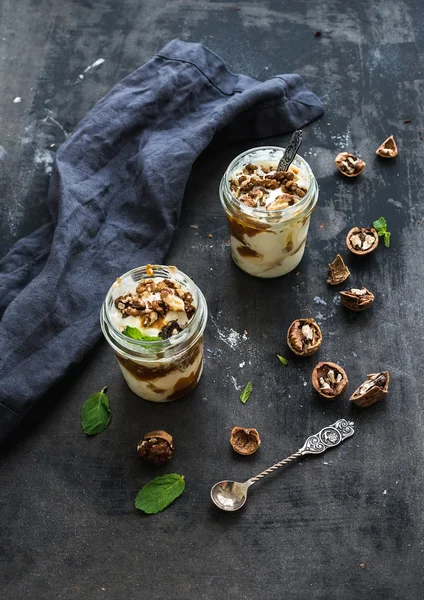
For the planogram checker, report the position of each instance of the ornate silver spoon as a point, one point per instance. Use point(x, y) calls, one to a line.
point(231, 495)
point(291, 151)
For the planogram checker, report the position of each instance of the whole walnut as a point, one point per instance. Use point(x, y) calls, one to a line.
point(156, 447)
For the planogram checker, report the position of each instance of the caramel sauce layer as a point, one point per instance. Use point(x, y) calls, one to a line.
point(143, 373)
point(238, 228)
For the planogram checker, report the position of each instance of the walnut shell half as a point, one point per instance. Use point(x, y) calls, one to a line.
point(337, 271)
point(304, 337)
point(357, 300)
point(329, 380)
point(156, 447)
point(362, 240)
point(349, 165)
point(388, 148)
point(245, 441)
point(374, 388)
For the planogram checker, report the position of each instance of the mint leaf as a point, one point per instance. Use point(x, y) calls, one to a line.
point(159, 493)
point(283, 360)
point(135, 334)
point(96, 413)
point(380, 225)
point(245, 395)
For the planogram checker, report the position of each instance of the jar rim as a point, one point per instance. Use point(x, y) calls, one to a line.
point(293, 212)
point(148, 349)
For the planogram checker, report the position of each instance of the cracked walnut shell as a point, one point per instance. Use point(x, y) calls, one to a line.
point(357, 300)
point(374, 388)
point(245, 441)
point(349, 164)
point(388, 148)
point(329, 380)
point(304, 337)
point(362, 240)
point(156, 447)
point(337, 271)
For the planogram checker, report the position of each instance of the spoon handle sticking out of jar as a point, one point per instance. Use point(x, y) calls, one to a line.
point(315, 444)
point(291, 151)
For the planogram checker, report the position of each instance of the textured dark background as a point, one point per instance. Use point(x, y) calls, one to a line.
point(67, 522)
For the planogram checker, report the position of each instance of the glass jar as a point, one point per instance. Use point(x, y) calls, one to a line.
point(163, 370)
point(267, 243)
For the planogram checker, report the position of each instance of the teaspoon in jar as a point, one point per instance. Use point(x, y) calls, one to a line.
point(232, 495)
point(291, 151)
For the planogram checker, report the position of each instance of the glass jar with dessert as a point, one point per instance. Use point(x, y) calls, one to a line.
point(268, 211)
point(154, 318)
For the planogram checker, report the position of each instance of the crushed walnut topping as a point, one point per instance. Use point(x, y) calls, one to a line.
point(153, 300)
point(349, 164)
point(258, 186)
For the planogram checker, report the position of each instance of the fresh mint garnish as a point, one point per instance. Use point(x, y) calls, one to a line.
point(159, 493)
point(245, 395)
point(96, 413)
point(135, 334)
point(380, 225)
point(282, 360)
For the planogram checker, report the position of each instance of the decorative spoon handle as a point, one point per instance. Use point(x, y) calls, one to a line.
point(291, 151)
point(315, 444)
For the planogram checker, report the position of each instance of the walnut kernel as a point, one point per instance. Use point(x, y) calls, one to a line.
point(362, 240)
point(329, 380)
point(304, 337)
point(349, 164)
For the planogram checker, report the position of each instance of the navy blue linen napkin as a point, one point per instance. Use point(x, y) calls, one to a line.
point(115, 197)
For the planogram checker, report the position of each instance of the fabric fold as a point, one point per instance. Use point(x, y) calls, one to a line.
point(113, 210)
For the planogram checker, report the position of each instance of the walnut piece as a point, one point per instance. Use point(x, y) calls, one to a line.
point(337, 271)
point(357, 300)
point(156, 447)
point(349, 164)
point(362, 240)
point(388, 148)
point(245, 441)
point(329, 380)
point(374, 388)
point(304, 337)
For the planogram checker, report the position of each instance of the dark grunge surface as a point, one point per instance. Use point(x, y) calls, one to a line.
point(67, 523)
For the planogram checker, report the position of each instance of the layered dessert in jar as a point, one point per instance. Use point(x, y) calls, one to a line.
point(154, 318)
point(268, 211)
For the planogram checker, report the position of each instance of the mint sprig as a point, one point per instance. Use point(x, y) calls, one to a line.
point(380, 225)
point(135, 334)
point(96, 413)
point(245, 394)
point(282, 360)
point(159, 493)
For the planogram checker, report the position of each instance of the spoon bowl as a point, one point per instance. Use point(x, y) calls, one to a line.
point(229, 495)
